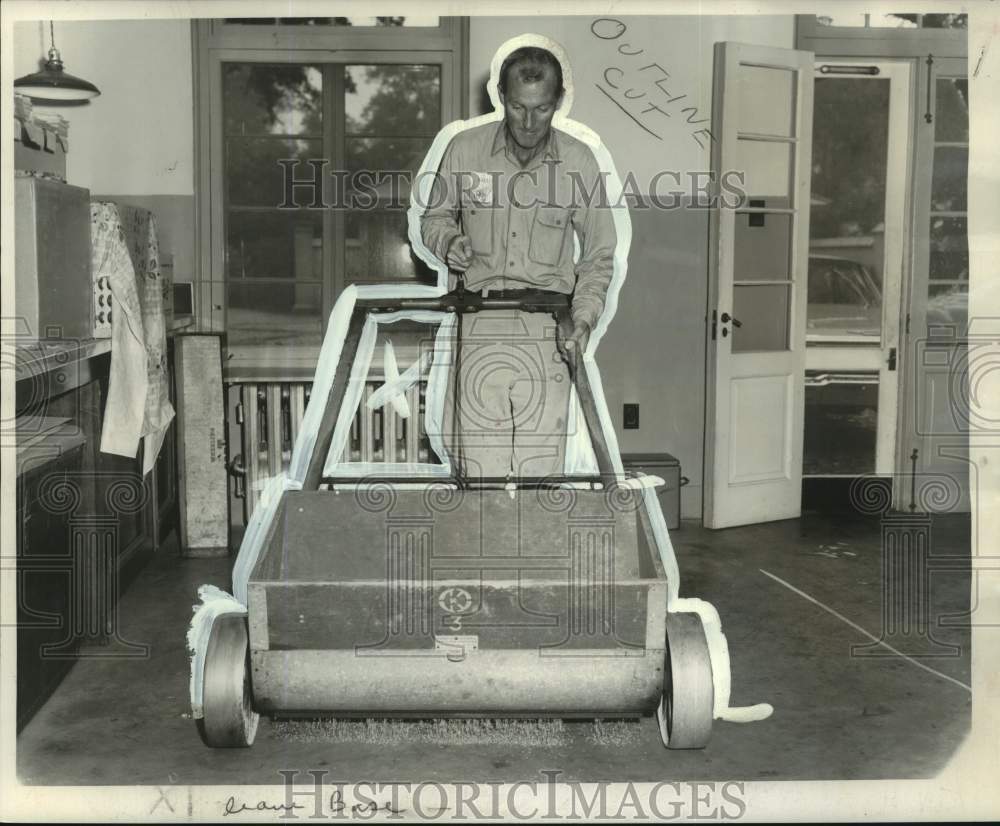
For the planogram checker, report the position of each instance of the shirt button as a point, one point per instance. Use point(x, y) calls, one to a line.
point(511, 263)
point(513, 235)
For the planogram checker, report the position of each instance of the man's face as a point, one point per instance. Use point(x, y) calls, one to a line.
point(529, 107)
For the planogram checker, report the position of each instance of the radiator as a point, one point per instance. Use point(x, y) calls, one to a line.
point(270, 416)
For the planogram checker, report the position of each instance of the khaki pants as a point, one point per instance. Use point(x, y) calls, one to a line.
point(513, 397)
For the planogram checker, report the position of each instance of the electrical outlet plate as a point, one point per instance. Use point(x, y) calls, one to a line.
point(630, 416)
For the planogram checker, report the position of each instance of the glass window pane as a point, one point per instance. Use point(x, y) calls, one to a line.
point(856, 20)
point(378, 248)
point(767, 169)
point(387, 155)
point(274, 245)
point(847, 210)
point(762, 247)
point(949, 185)
point(892, 21)
point(845, 298)
point(949, 258)
point(951, 118)
point(274, 314)
point(392, 99)
point(766, 100)
point(948, 308)
point(945, 21)
point(762, 310)
point(254, 176)
point(263, 99)
point(841, 420)
point(850, 150)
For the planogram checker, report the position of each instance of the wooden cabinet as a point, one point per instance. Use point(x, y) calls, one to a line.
point(87, 522)
point(48, 467)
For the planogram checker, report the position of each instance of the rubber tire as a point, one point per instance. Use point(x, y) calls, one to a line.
point(227, 700)
point(687, 704)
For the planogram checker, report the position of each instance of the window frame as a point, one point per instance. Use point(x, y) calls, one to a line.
point(214, 43)
point(222, 34)
point(926, 143)
point(851, 41)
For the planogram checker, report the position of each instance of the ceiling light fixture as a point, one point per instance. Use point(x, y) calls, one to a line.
point(52, 83)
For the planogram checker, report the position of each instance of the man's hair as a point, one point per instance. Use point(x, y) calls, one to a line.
point(530, 63)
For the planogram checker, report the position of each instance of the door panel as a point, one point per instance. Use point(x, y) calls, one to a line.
point(758, 255)
point(760, 411)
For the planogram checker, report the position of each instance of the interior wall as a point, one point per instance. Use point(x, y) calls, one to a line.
point(654, 351)
point(134, 142)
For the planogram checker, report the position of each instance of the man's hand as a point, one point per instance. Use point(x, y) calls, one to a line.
point(459, 255)
point(569, 346)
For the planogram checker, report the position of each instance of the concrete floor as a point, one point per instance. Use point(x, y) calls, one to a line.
point(126, 721)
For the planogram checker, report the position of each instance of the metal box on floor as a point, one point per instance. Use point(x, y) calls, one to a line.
point(668, 468)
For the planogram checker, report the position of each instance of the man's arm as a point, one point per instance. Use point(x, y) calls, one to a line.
point(439, 223)
point(595, 226)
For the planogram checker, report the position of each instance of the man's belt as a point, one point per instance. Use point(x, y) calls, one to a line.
point(525, 294)
point(472, 301)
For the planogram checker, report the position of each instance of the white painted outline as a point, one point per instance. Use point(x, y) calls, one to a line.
point(215, 603)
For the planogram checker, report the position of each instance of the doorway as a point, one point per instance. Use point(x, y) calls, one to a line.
point(856, 273)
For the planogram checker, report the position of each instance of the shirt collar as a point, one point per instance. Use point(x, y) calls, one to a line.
point(500, 142)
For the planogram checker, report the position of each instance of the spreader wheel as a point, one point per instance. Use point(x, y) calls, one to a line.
point(227, 701)
point(687, 703)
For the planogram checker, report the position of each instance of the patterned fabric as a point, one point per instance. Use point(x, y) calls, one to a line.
point(124, 250)
point(139, 226)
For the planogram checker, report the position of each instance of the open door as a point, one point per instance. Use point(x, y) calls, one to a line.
point(758, 253)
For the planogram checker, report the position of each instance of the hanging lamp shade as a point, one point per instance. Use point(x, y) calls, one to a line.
point(53, 82)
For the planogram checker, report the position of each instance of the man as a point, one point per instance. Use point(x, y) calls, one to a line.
point(503, 212)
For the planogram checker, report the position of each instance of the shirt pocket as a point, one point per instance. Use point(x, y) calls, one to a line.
point(477, 222)
point(548, 234)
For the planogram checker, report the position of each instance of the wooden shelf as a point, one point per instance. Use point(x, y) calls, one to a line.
point(64, 357)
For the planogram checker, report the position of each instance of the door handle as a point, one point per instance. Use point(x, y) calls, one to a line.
point(726, 318)
point(238, 471)
point(892, 358)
